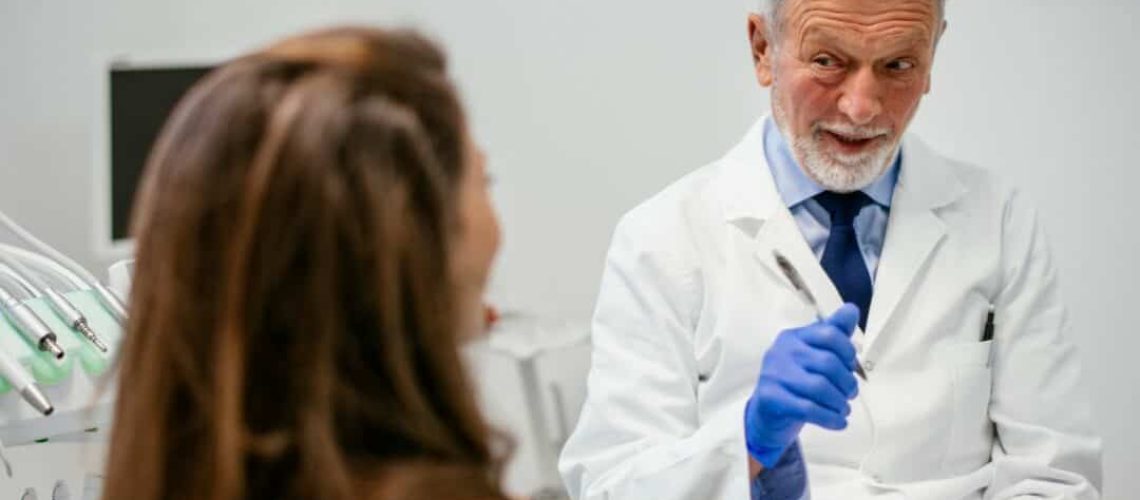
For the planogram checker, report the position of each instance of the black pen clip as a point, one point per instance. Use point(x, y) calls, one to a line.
point(988, 330)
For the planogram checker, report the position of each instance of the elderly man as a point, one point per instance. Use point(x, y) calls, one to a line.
point(714, 374)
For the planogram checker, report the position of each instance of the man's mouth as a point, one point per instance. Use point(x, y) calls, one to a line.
point(850, 143)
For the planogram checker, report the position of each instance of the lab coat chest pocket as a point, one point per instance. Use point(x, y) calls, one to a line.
point(972, 439)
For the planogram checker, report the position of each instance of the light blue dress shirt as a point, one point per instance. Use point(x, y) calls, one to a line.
point(797, 190)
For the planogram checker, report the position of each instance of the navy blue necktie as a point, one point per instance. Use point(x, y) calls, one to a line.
point(842, 259)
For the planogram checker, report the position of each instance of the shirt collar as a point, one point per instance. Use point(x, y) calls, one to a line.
point(796, 187)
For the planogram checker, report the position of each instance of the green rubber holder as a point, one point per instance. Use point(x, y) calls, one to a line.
point(77, 350)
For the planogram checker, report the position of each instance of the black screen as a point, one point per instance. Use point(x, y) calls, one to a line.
point(141, 100)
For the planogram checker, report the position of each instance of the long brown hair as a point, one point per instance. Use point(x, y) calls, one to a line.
point(293, 327)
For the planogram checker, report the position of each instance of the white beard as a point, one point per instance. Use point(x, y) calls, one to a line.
point(839, 172)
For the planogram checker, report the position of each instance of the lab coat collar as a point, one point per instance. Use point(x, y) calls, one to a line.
point(745, 186)
point(751, 202)
point(925, 179)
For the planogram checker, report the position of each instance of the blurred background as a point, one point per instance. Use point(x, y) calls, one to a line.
point(586, 107)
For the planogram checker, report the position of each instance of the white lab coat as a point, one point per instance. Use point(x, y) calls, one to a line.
point(691, 299)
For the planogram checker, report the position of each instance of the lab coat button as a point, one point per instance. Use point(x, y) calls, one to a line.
point(868, 365)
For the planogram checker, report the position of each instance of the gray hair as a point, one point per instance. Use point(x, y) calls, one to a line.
point(770, 9)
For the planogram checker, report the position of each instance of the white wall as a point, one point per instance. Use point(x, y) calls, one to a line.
point(588, 106)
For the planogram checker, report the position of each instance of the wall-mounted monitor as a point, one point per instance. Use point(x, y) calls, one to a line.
point(138, 100)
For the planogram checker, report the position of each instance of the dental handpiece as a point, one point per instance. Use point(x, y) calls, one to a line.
point(63, 308)
point(29, 324)
point(23, 383)
point(111, 302)
point(73, 317)
point(801, 287)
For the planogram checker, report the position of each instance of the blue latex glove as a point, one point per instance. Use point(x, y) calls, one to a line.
point(807, 377)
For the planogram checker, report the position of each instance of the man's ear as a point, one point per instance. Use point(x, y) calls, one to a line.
point(763, 55)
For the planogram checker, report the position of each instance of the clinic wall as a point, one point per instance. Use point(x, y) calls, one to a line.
point(587, 107)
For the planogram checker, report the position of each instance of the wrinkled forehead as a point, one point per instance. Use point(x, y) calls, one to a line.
point(871, 23)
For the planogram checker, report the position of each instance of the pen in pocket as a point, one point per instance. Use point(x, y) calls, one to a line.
point(988, 335)
point(988, 330)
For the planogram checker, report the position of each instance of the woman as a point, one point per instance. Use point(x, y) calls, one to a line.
point(313, 238)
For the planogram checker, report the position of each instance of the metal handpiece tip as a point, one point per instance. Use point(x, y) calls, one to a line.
point(89, 334)
point(36, 398)
point(49, 345)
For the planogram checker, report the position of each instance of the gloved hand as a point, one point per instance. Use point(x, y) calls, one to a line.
point(807, 377)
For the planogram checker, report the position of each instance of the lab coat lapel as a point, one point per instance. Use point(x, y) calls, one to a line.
point(914, 231)
point(780, 233)
point(752, 204)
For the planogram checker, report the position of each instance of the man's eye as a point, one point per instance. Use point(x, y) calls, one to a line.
point(900, 65)
point(825, 61)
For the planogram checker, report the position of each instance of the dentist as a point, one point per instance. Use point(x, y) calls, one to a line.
point(712, 378)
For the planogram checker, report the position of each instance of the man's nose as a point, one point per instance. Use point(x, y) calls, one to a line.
point(861, 99)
